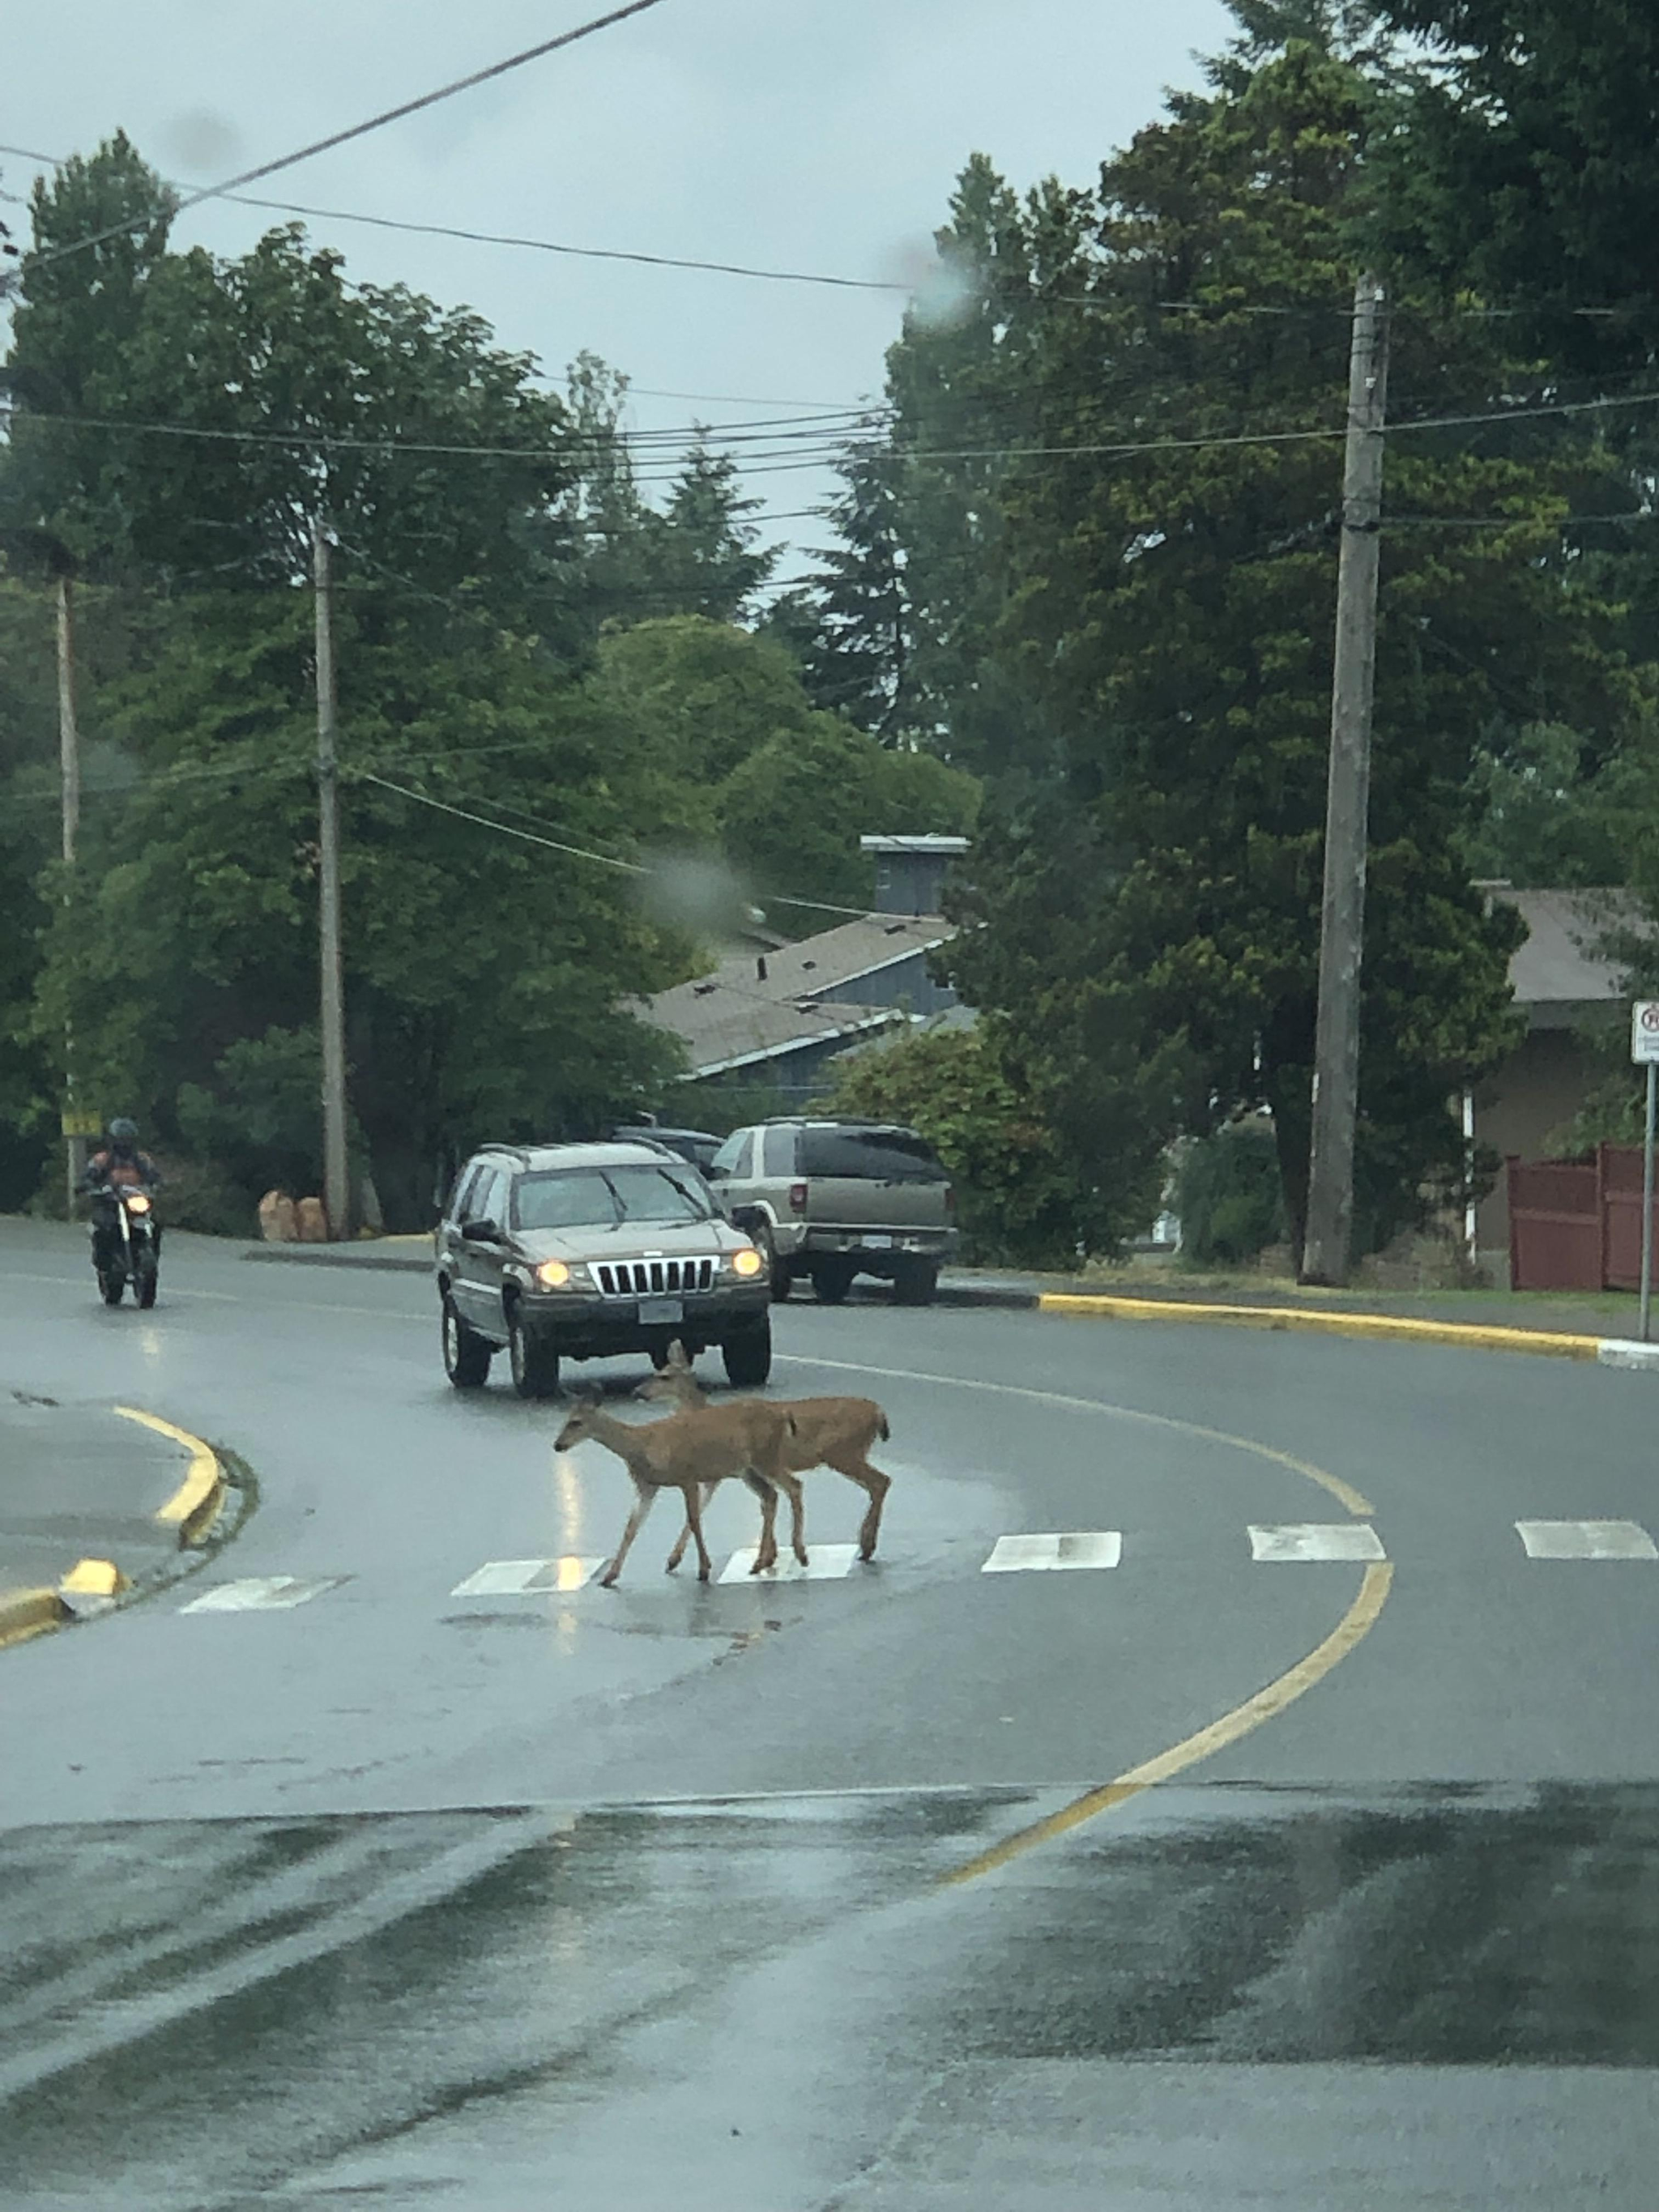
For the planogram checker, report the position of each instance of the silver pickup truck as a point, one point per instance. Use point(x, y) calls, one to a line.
point(833, 1199)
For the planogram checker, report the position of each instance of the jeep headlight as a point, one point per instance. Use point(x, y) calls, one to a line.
point(748, 1263)
point(552, 1274)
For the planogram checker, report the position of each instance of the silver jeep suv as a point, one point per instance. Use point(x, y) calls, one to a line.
point(581, 1251)
point(836, 1198)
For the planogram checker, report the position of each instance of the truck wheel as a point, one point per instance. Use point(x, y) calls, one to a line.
point(778, 1271)
point(534, 1362)
point(916, 1283)
point(466, 1354)
point(832, 1279)
point(748, 1357)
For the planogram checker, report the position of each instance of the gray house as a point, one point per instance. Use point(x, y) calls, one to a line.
point(779, 1014)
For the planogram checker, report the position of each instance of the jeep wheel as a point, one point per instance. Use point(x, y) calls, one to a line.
point(534, 1362)
point(748, 1357)
point(832, 1279)
point(466, 1355)
point(916, 1283)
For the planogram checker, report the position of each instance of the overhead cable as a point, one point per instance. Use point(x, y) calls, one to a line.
point(362, 129)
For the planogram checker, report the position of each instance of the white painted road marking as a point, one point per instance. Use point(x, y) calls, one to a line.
point(828, 1563)
point(1316, 1540)
point(263, 1594)
point(1041, 1555)
point(1586, 1539)
point(527, 1578)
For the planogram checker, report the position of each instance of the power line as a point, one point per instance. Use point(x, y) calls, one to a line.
point(362, 129)
point(578, 852)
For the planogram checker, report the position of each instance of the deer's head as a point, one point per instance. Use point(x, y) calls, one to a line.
point(579, 1424)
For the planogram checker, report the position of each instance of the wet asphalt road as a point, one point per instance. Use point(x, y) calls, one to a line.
point(409, 1897)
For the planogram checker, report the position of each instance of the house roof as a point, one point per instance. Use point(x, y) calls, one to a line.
point(1561, 965)
point(916, 844)
point(738, 1014)
point(731, 1031)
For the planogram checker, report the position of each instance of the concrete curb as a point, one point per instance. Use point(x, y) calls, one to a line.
point(1012, 1298)
point(26, 1612)
point(340, 1255)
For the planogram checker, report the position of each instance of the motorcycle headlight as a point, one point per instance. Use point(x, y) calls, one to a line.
point(747, 1262)
point(553, 1274)
point(137, 1203)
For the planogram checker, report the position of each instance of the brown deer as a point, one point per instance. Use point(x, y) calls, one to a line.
point(835, 1432)
point(692, 1452)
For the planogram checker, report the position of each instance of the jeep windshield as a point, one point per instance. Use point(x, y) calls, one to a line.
point(869, 1156)
point(605, 1198)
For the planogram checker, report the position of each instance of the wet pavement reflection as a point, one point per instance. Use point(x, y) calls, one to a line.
point(208, 2014)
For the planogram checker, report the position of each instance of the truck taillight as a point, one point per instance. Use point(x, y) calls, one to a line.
point(798, 1198)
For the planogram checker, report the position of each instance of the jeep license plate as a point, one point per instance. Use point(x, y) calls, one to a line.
point(656, 1310)
point(877, 1244)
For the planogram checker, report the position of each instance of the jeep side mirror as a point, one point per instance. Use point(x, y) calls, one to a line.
point(480, 1232)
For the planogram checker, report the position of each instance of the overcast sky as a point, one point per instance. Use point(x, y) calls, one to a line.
point(818, 134)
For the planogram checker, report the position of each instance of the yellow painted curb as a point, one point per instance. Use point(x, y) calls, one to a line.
point(194, 1506)
point(26, 1612)
point(1472, 1336)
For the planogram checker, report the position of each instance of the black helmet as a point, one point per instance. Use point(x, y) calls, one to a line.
point(122, 1131)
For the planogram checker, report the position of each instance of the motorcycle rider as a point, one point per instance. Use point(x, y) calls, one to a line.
point(118, 1164)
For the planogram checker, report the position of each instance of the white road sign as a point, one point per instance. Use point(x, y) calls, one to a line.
point(1644, 1031)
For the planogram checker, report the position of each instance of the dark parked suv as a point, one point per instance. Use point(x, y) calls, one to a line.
point(832, 1200)
point(581, 1251)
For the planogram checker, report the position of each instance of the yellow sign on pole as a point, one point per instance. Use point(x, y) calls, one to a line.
point(76, 1122)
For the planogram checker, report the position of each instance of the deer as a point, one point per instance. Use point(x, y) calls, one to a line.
point(692, 1452)
point(835, 1432)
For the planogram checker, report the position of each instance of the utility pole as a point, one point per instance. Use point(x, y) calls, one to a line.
point(1342, 920)
point(69, 768)
point(337, 1189)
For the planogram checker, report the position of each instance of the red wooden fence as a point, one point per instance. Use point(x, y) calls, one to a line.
point(1576, 1226)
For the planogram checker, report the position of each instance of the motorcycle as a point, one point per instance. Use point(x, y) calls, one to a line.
point(129, 1248)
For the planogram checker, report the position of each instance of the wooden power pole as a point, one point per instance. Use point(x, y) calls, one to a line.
point(1342, 922)
point(337, 1188)
point(69, 768)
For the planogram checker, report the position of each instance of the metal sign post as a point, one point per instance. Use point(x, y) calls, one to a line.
point(1644, 1052)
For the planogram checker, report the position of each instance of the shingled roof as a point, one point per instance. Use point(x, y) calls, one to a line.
point(755, 1007)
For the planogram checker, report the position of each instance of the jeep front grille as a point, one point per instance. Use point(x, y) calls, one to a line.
point(635, 1278)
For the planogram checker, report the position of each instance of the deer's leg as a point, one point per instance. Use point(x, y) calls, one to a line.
point(694, 1515)
point(876, 1484)
point(766, 1551)
point(644, 1496)
point(790, 1485)
point(684, 1537)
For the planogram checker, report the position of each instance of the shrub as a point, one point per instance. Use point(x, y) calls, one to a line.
point(1229, 1196)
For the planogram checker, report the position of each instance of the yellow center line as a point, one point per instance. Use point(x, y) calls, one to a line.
point(1355, 1624)
point(1347, 1496)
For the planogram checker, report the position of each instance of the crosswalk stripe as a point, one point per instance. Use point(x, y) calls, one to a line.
point(263, 1594)
point(1054, 1555)
point(827, 1563)
point(527, 1578)
point(1586, 1539)
point(1316, 1540)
